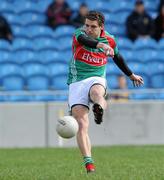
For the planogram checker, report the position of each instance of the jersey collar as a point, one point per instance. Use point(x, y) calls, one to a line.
point(102, 33)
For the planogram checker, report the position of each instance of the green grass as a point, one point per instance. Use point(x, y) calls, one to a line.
point(112, 163)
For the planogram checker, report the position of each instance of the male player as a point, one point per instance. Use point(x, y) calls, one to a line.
point(91, 47)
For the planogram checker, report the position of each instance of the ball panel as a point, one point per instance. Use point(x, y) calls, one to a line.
point(67, 127)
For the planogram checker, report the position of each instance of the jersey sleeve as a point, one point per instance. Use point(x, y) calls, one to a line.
point(81, 37)
point(78, 32)
point(116, 47)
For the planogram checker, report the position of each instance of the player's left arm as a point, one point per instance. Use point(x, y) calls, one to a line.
point(120, 62)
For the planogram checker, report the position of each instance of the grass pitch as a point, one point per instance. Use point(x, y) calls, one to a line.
point(112, 163)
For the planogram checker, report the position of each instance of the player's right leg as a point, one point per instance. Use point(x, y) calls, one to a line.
point(97, 93)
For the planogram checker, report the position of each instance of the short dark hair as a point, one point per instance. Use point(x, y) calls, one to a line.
point(96, 16)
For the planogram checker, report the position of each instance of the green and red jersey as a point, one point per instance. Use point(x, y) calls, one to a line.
point(88, 62)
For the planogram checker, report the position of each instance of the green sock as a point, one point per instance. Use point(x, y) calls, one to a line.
point(87, 160)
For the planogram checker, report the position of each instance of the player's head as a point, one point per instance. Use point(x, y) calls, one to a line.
point(94, 23)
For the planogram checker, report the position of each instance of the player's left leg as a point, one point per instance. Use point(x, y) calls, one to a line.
point(97, 93)
point(80, 113)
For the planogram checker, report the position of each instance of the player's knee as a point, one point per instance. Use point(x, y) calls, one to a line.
point(96, 94)
point(83, 125)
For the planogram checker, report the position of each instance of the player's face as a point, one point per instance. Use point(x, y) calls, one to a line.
point(92, 28)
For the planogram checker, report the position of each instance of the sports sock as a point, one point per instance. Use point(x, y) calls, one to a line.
point(88, 160)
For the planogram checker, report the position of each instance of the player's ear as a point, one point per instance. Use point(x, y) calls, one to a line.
point(102, 27)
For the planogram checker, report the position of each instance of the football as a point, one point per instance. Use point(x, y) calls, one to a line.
point(67, 127)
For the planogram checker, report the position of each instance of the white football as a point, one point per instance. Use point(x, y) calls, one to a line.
point(67, 127)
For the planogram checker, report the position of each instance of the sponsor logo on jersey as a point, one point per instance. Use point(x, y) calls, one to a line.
point(87, 57)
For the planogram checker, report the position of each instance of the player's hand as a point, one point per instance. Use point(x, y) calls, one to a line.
point(137, 80)
point(109, 52)
point(107, 49)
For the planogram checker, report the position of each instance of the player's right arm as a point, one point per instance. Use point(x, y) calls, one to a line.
point(93, 43)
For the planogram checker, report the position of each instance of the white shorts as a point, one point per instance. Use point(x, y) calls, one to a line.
point(79, 91)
